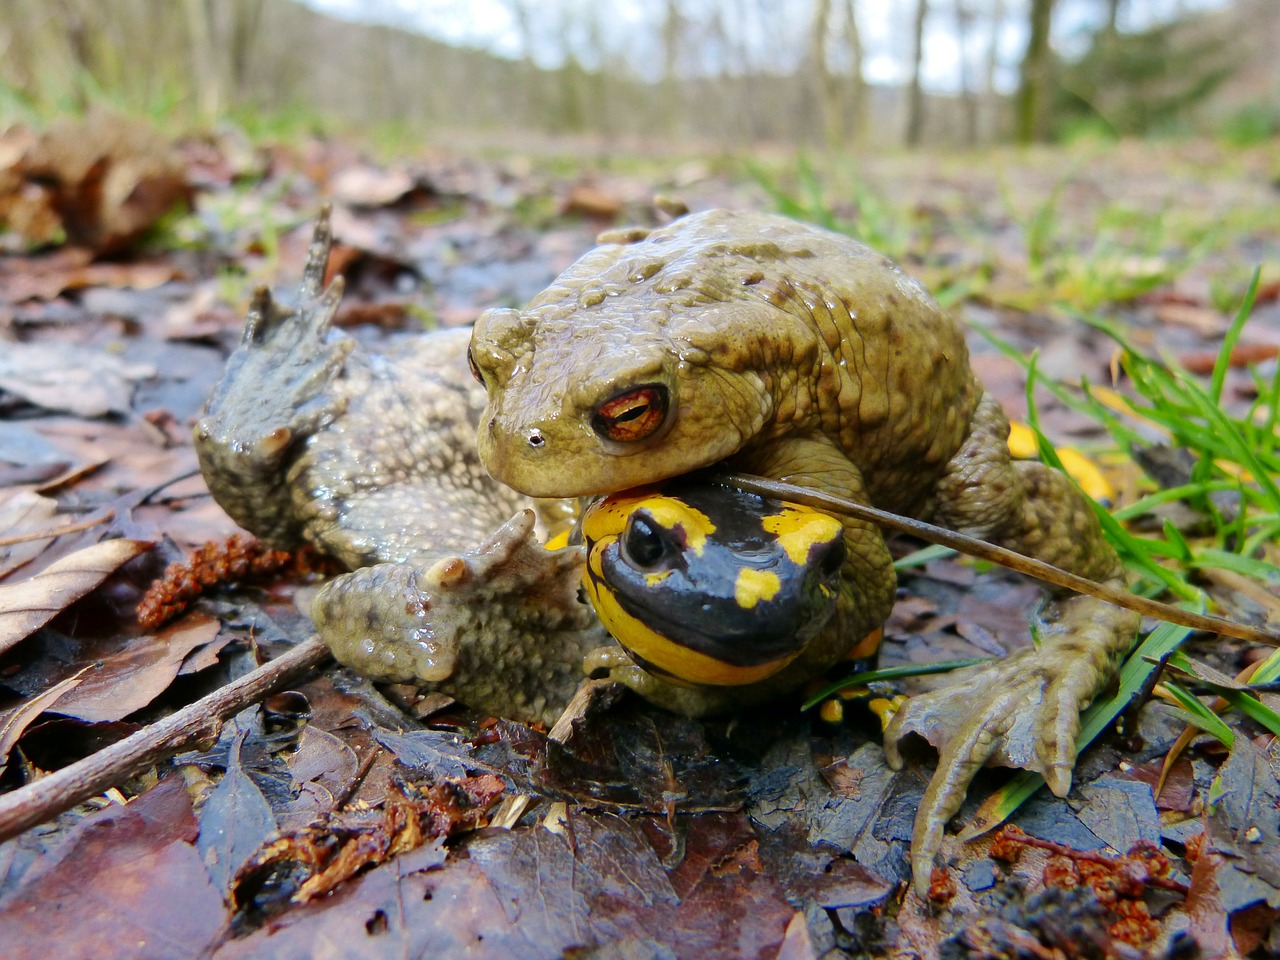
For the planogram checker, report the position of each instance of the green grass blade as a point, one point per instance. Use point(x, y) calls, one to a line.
point(1232, 691)
point(1199, 715)
point(1223, 361)
point(888, 674)
point(1203, 558)
point(918, 558)
point(1268, 670)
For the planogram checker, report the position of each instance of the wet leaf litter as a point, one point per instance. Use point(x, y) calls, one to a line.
point(753, 836)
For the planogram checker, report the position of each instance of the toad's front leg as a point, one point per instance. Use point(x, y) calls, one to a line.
point(501, 627)
point(1025, 710)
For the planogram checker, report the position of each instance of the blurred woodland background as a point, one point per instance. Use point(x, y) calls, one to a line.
point(652, 74)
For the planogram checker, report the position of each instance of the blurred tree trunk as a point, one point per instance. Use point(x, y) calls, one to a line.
point(1113, 16)
point(968, 95)
point(529, 94)
point(853, 42)
point(671, 30)
point(220, 35)
point(915, 94)
point(1033, 88)
point(831, 108)
point(71, 15)
point(991, 96)
point(205, 75)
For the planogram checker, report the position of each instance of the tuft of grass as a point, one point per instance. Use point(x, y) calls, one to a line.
point(1121, 254)
point(1231, 453)
point(864, 213)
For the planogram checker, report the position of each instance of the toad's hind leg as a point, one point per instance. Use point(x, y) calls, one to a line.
point(1025, 710)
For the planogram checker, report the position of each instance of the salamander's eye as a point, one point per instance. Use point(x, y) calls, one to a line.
point(633, 415)
point(475, 368)
point(646, 546)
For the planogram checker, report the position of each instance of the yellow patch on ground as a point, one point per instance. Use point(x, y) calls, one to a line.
point(1022, 441)
point(799, 528)
point(1023, 446)
point(754, 586)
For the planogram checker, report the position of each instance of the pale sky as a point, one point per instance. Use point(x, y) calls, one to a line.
point(629, 29)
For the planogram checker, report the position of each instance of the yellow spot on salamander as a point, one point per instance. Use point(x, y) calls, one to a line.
point(609, 517)
point(678, 662)
point(886, 709)
point(558, 542)
point(798, 530)
point(754, 586)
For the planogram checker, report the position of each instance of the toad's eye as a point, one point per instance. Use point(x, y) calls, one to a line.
point(633, 415)
point(475, 369)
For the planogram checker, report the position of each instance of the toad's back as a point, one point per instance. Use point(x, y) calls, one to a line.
point(813, 333)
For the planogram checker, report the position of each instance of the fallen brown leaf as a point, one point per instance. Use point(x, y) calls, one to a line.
point(23, 511)
point(107, 177)
point(1241, 356)
point(14, 722)
point(88, 383)
point(587, 200)
point(139, 672)
point(126, 882)
point(30, 604)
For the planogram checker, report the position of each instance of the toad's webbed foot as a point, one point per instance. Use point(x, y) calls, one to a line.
point(500, 627)
point(1021, 712)
point(276, 392)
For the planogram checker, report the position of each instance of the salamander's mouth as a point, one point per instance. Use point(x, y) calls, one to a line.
point(726, 632)
point(727, 636)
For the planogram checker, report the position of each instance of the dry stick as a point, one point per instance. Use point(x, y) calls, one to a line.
point(53, 532)
point(200, 722)
point(1006, 558)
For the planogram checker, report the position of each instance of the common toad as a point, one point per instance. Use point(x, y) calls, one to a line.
point(725, 338)
point(781, 349)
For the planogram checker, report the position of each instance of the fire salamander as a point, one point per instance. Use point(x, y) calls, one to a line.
point(705, 584)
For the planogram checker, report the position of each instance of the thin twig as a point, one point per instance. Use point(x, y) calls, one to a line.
point(201, 722)
point(57, 531)
point(1006, 558)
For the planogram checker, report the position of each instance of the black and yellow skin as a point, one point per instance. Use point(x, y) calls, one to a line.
point(705, 584)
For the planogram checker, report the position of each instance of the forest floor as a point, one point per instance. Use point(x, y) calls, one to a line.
point(772, 834)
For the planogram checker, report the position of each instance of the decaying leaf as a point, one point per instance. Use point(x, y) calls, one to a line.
point(16, 719)
point(311, 862)
point(1243, 826)
point(235, 820)
point(141, 670)
point(127, 881)
point(24, 512)
point(29, 604)
point(104, 179)
point(88, 383)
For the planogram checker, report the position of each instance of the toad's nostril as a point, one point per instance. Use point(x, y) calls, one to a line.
point(536, 439)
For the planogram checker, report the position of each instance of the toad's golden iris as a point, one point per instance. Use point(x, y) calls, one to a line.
point(706, 584)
